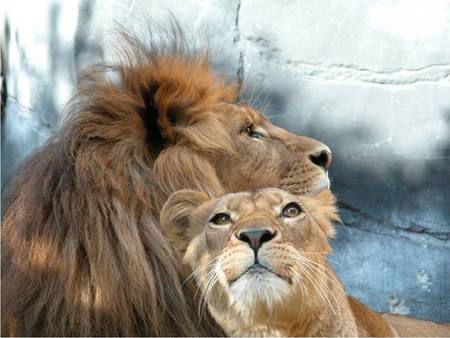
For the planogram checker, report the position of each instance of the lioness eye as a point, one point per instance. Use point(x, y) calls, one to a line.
point(291, 210)
point(221, 219)
point(253, 133)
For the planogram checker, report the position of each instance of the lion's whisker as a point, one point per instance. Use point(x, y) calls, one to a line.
point(204, 287)
point(211, 283)
point(321, 253)
point(198, 270)
point(303, 290)
point(316, 266)
point(328, 278)
point(313, 281)
point(306, 263)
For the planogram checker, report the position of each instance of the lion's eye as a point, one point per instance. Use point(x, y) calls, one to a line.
point(221, 219)
point(291, 210)
point(253, 133)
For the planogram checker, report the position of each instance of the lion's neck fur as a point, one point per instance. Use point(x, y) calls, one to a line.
point(332, 314)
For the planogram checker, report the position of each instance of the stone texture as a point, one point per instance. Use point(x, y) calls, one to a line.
point(372, 35)
point(371, 79)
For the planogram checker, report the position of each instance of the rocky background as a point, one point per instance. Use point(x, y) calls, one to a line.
point(369, 78)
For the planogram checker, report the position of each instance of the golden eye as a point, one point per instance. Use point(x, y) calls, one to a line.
point(221, 219)
point(291, 210)
point(253, 133)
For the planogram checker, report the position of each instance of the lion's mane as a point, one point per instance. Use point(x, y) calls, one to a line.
point(83, 253)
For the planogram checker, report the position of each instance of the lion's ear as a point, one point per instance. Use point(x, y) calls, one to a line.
point(323, 209)
point(175, 215)
point(183, 90)
point(173, 106)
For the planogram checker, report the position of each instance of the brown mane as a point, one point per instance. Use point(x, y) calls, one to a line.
point(82, 250)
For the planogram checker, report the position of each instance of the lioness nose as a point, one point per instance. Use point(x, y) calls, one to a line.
point(321, 157)
point(255, 238)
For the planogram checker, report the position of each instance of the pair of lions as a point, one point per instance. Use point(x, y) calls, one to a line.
point(259, 262)
point(83, 253)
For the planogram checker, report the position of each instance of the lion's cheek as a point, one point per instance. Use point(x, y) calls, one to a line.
point(193, 256)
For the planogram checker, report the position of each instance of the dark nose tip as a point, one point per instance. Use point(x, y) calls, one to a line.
point(321, 158)
point(255, 238)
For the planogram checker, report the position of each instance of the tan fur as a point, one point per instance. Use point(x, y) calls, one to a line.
point(411, 327)
point(83, 253)
point(296, 294)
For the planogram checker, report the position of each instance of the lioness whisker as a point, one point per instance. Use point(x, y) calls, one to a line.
point(198, 270)
point(316, 266)
point(204, 284)
point(308, 276)
point(318, 287)
point(328, 278)
point(306, 263)
point(211, 283)
point(297, 278)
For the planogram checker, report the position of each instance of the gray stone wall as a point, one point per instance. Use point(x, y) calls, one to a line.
point(369, 78)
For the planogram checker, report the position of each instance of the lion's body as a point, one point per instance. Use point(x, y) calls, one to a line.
point(83, 253)
point(368, 322)
point(411, 327)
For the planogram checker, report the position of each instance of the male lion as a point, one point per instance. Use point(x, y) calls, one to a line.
point(259, 261)
point(83, 253)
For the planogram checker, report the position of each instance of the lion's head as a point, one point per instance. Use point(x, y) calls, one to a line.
point(209, 142)
point(237, 148)
point(258, 258)
point(82, 225)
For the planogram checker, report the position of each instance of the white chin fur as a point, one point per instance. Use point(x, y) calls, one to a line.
point(322, 184)
point(256, 288)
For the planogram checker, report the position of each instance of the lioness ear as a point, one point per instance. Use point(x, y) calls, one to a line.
point(323, 210)
point(174, 218)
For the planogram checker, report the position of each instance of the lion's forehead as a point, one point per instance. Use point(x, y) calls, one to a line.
point(234, 201)
point(245, 112)
point(271, 197)
point(268, 200)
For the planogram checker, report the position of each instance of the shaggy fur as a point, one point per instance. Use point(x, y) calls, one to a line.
point(83, 253)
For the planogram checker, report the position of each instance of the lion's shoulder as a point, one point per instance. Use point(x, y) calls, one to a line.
point(411, 327)
point(370, 323)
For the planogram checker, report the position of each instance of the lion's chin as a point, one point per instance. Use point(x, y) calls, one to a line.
point(259, 285)
point(323, 183)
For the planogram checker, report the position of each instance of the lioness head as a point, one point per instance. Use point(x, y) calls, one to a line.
point(258, 258)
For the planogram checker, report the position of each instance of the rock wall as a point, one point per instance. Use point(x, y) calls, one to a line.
point(369, 78)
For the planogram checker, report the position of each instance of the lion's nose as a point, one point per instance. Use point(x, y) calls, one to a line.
point(255, 238)
point(321, 157)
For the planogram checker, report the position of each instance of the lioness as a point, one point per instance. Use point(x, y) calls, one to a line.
point(259, 260)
